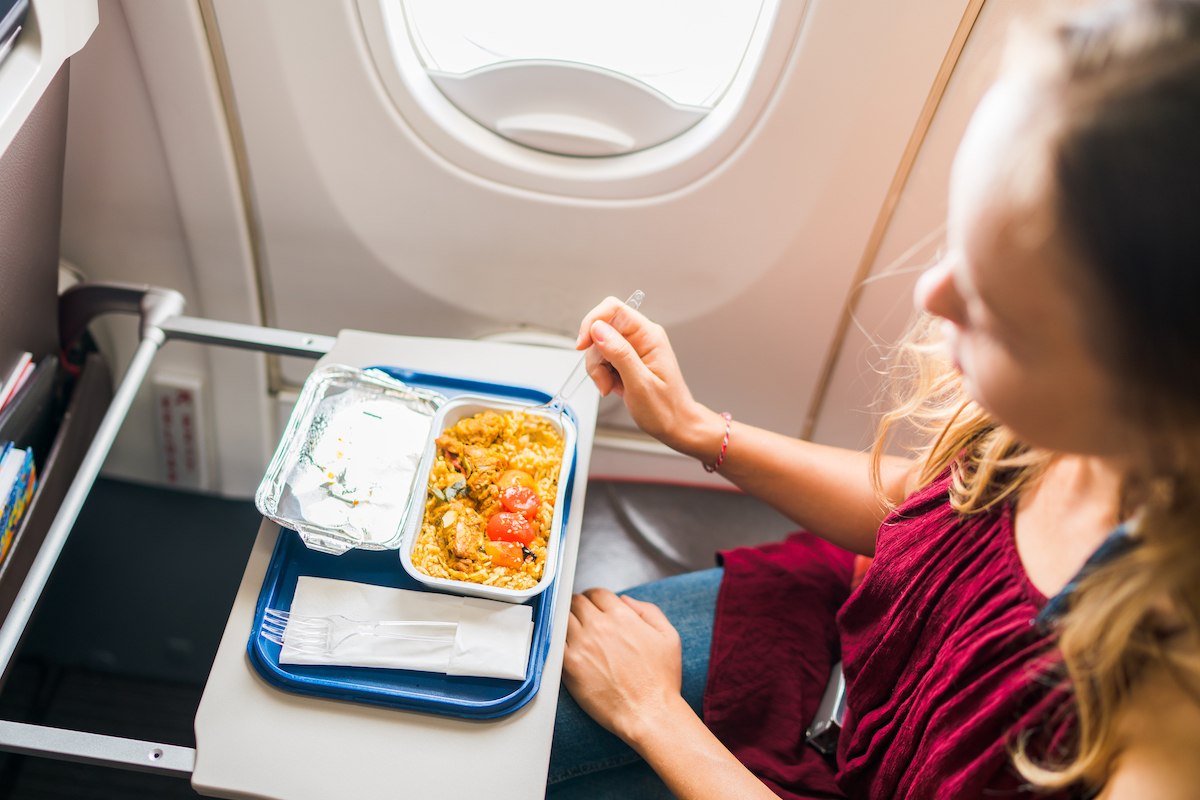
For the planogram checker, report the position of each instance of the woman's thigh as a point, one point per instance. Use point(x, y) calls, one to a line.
point(582, 748)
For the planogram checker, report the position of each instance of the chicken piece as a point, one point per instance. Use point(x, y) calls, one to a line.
point(486, 469)
point(480, 430)
point(464, 529)
point(490, 505)
point(485, 466)
point(448, 443)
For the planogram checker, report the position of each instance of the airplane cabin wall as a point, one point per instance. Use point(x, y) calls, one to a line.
point(363, 225)
point(150, 196)
point(120, 220)
point(856, 392)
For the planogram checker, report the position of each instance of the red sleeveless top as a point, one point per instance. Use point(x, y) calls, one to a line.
point(942, 661)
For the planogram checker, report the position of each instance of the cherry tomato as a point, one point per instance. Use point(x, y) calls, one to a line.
point(522, 500)
point(507, 527)
point(515, 477)
point(505, 554)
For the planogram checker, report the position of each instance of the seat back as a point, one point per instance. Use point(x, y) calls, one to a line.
point(31, 186)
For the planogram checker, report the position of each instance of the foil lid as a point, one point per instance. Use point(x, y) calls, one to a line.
point(344, 472)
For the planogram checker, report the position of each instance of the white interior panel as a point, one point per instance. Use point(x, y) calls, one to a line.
point(173, 50)
point(120, 220)
point(366, 227)
point(150, 196)
point(855, 397)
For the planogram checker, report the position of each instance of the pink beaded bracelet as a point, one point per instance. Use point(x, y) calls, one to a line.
point(728, 422)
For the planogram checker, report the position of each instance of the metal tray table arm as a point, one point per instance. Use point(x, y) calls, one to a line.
point(162, 319)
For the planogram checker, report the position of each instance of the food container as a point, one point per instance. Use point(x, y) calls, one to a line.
point(344, 472)
point(448, 415)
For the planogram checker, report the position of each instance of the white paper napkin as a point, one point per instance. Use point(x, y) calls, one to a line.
point(492, 639)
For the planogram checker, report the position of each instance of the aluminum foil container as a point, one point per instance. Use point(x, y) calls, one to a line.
point(344, 472)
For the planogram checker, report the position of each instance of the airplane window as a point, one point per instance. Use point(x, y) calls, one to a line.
point(583, 77)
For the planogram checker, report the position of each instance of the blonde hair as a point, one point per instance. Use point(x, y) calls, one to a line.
point(1116, 627)
point(1128, 81)
point(987, 462)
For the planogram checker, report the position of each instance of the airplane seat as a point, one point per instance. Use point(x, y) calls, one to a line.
point(58, 409)
point(635, 532)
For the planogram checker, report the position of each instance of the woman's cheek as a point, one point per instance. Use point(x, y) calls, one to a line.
point(952, 340)
point(986, 374)
point(998, 384)
point(990, 376)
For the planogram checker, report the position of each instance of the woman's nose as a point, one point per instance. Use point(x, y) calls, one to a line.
point(936, 294)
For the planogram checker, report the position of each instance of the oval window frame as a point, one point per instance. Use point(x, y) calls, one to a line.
point(668, 167)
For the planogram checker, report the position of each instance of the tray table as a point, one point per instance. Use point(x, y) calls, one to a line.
point(321, 747)
point(477, 698)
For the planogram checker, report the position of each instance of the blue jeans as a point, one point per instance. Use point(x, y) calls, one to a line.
point(586, 761)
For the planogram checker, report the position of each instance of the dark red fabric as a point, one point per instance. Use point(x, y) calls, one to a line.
point(942, 663)
point(774, 643)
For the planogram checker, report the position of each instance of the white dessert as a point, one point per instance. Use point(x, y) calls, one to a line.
point(357, 470)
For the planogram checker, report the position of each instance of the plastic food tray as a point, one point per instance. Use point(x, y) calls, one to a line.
point(477, 698)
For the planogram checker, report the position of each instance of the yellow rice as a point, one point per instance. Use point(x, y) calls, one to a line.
point(527, 442)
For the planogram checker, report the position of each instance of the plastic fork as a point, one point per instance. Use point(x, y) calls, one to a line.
point(558, 403)
point(324, 635)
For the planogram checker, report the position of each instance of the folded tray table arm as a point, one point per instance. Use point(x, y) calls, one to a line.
point(162, 319)
point(247, 337)
point(161, 311)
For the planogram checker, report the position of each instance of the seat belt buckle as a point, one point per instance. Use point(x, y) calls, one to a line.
point(823, 733)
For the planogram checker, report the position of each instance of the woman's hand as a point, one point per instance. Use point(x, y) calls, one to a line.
point(623, 665)
point(827, 490)
point(622, 662)
point(641, 368)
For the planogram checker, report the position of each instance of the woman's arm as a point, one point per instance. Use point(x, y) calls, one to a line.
point(826, 489)
point(622, 664)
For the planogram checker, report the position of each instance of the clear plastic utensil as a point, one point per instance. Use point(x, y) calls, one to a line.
point(558, 403)
point(323, 635)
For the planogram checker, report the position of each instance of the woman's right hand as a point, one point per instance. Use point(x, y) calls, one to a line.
point(640, 366)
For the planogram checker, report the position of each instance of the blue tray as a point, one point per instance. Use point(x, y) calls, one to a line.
point(476, 698)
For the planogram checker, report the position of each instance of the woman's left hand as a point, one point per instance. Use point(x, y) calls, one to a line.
point(624, 666)
point(622, 662)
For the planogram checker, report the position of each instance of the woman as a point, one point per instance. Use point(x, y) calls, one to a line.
point(1059, 386)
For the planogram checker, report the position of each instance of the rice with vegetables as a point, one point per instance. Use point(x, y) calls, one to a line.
point(490, 500)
